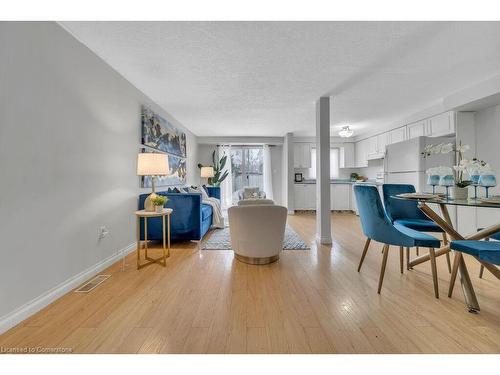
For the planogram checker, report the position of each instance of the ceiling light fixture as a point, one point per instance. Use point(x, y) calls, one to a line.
point(345, 132)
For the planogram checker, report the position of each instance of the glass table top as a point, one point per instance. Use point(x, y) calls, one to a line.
point(471, 202)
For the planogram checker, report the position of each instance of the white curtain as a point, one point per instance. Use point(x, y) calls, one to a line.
point(226, 186)
point(268, 173)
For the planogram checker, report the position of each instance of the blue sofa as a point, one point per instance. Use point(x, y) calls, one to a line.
point(191, 219)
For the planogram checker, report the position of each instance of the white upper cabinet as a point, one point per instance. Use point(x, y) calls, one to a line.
point(372, 145)
point(347, 157)
point(382, 141)
point(396, 135)
point(417, 129)
point(443, 124)
point(302, 155)
point(361, 150)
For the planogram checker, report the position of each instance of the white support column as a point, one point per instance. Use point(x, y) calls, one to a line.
point(323, 214)
point(288, 173)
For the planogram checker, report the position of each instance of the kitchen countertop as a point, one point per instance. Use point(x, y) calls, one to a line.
point(348, 182)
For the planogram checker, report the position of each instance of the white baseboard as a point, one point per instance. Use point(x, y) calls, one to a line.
point(22, 313)
point(324, 240)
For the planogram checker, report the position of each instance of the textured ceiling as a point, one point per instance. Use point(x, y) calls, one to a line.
point(262, 78)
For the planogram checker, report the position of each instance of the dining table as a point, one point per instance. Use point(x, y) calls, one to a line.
point(444, 221)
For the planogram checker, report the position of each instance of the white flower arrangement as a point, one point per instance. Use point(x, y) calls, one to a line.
point(462, 165)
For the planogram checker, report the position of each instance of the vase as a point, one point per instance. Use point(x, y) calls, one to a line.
point(159, 209)
point(459, 193)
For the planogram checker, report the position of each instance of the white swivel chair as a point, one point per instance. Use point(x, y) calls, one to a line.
point(257, 232)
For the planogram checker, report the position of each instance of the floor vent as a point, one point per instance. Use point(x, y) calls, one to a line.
point(92, 284)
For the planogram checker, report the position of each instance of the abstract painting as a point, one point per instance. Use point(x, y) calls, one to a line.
point(177, 174)
point(161, 135)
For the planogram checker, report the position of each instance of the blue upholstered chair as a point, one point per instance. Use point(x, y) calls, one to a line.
point(496, 237)
point(378, 227)
point(484, 251)
point(407, 214)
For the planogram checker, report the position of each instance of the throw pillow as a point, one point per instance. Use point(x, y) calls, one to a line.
point(204, 194)
point(250, 192)
point(202, 191)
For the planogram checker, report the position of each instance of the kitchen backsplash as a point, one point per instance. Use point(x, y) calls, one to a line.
point(374, 167)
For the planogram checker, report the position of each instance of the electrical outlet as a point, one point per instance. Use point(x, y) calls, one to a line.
point(102, 232)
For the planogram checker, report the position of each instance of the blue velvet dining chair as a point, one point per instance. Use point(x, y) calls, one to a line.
point(407, 214)
point(496, 237)
point(487, 252)
point(378, 227)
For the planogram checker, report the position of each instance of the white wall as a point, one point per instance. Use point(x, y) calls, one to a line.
point(69, 137)
point(487, 122)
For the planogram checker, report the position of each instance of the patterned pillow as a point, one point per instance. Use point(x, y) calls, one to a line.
point(251, 192)
point(202, 191)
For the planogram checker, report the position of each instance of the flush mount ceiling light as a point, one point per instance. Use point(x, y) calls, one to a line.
point(345, 132)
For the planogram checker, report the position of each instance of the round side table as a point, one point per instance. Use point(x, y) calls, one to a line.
point(166, 236)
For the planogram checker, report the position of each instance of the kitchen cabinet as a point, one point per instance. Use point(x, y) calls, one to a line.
point(382, 141)
point(361, 150)
point(352, 199)
point(305, 196)
point(347, 157)
point(340, 197)
point(302, 155)
point(442, 124)
point(397, 135)
point(417, 129)
point(376, 146)
point(372, 145)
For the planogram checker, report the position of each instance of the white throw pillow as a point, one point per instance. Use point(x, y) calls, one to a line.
point(197, 189)
point(251, 192)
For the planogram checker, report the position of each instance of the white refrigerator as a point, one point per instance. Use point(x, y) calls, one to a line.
point(404, 163)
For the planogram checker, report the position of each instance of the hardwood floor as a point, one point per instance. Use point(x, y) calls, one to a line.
point(309, 301)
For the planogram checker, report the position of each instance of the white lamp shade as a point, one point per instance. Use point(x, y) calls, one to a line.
point(207, 172)
point(152, 164)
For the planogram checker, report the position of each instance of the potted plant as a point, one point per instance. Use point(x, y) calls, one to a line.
point(454, 178)
point(158, 202)
point(219, 173)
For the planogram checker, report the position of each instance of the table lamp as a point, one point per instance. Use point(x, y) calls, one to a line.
point(152, 164)
point(207, 172)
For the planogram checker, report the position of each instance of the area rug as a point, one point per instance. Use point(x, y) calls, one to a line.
point(220, 240)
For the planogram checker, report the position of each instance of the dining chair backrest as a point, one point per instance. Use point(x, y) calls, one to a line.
point(371, 211)
point(398, 208)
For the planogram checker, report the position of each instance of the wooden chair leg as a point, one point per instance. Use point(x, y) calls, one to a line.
point(432, 255)
point(382, 268)
point(367, 243)
point(401, 259)
point(417, 251)
point(454, 271)
point(408, 258)
point(448, 261)
point(481, 270)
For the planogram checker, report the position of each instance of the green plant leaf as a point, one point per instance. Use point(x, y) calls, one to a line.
point(224, 176)
point(223, 162)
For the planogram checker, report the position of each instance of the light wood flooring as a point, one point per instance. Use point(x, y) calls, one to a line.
point(308, 302)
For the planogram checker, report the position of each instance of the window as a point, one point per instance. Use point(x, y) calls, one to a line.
point(334, 163)
point(247, 167)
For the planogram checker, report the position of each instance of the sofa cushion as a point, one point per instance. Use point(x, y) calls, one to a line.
point(206, 211)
